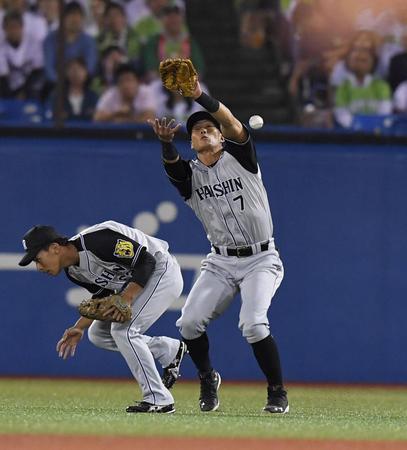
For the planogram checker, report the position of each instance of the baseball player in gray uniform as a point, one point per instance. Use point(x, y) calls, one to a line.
point(224, 187)
point(113, 258)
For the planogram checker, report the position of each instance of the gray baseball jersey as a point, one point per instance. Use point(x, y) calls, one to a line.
point(110, 256)
point(109, 253)
point(230, 201)
point(229, 197)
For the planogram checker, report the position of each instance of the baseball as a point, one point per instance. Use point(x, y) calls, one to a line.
point(256, 122)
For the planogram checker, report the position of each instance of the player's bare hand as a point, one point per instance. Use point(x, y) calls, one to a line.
point(165, 131)
point(66, 346)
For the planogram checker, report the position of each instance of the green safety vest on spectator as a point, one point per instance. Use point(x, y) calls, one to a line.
point(363, 99)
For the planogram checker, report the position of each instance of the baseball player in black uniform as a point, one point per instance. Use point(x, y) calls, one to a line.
point(223, 186)
point(113, 258)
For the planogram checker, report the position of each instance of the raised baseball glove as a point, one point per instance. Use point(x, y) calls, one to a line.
point(179, 75)
point(95, 308)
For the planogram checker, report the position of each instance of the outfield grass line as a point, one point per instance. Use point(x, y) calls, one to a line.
point(257, 383)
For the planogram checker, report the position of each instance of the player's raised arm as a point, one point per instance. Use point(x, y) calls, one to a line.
point(230, 126)
point(165, 131)
point(176, 168)
point(180, 75)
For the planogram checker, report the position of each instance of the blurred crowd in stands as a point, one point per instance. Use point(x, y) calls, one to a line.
point(336, 59)
point(350, 57)
point(341, 58)
point(112, 52)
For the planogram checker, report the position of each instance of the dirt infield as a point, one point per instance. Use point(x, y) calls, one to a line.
point(54, 442)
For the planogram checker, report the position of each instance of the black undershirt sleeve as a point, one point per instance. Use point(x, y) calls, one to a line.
point(245, 153)
point(112, 246)
point(143, 268)
point(180, 175)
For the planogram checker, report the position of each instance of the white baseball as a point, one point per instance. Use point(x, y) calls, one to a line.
point(256, 122)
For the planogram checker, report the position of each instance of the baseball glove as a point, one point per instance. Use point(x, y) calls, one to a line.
point(179, 75)
point(95, 308)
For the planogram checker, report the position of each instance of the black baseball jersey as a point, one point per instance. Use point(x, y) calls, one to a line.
point(111, 255)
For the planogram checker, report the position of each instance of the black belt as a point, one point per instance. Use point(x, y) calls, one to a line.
point(241, 252)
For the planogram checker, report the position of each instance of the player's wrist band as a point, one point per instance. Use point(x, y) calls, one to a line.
point(209, 103)
point(168, 150)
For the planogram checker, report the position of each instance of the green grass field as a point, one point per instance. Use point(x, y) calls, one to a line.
point(86, 407)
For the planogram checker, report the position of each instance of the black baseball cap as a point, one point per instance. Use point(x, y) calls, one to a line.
point(36, 239)
point(200, 115)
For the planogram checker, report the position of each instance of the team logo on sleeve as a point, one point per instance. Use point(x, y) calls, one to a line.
point(123, 249)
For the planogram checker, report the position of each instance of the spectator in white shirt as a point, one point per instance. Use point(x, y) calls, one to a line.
point(128, 101)
point(400, 99)
point(21, 60)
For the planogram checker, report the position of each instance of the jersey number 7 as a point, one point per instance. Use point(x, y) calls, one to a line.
point(239, 197)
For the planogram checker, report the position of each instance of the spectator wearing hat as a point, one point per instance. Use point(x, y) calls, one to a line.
point(173, 42)
point(128, 101)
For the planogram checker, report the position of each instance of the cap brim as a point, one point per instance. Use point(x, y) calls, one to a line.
point(200, 115)
point(28, 258)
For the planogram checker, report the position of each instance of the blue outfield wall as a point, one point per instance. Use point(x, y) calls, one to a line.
point(340, 221)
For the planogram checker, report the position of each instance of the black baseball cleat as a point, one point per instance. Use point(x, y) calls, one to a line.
point(208, 400)
point(145, 407)
point(171, 372)
point(277, 402)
